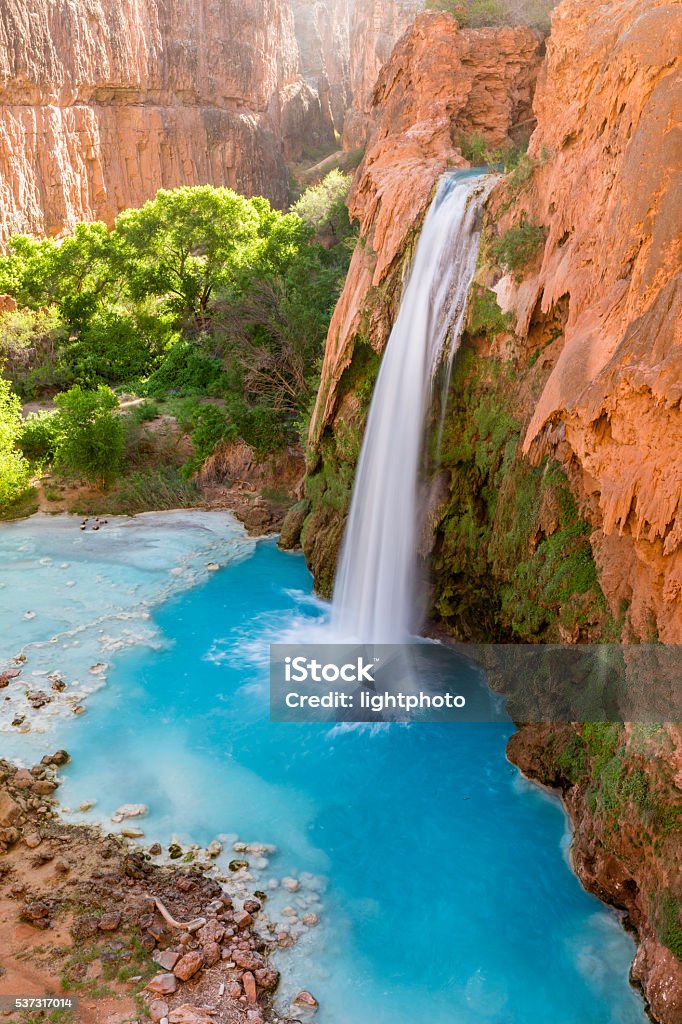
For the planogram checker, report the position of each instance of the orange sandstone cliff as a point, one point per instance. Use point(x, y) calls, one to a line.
point(104, 101)
point(376, 27)
point(607, 188)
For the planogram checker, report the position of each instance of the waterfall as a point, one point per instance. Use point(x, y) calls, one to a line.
point(375, 597)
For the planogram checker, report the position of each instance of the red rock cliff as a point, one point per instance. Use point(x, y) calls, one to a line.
point(607, 186)
point(376, 27)
point(104, 101)
point(440, 82)
point(323, 33)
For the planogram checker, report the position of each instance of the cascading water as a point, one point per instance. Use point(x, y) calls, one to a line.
point(375, 593)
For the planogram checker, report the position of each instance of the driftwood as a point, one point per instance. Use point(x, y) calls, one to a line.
point(184, 926)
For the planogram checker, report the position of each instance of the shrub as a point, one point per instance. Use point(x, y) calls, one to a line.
point(478, 13)
point(485, 316)
point(209, 425)
point(39, 437)
point(323, 207)
point(184, 370)
point(14, 469)
point(89, 434)
point(112, 349)
point(518, 245)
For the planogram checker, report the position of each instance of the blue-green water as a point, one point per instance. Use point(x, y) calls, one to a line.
point(447, 896)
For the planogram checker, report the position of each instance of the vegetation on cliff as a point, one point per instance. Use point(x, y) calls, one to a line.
point(480, 13)
point(619, 787)
point(512, 556)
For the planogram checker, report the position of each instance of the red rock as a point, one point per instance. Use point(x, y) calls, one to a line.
point(213, 931)
point(612, 256)
point(249, 983)
point(246, 959)
point(242, 920)
point(188, 965)
point(437, 84)
point(167, 959)
point(110, 922)
point(377, 26)
point(158, 1009)
point(23, 779)
point(306, 999)
point(212, 953)
point(9, 809)
point(217, 97)
point(267, 979)
point(187, 1014)
point(163, 984)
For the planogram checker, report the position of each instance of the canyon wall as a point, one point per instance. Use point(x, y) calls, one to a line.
point(376, 27)
point(102, 102)
point(606, 187)
point(441, 84)
point(323, 29)
point(591, 319)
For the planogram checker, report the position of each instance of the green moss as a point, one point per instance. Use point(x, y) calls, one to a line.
point(485, 316)
point(519, 245)
point(513, 559)
point(573, 760)
point(668, 921)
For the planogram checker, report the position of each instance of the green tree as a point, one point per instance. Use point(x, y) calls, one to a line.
point(14, 469)
point(185, 243)
point(323, 206)
point(89, 434)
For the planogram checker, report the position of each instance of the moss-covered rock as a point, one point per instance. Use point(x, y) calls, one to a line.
point(512, 558)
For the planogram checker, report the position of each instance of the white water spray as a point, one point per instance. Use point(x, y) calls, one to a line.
point(375, 594)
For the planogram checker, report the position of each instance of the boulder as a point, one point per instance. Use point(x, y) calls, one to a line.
point(158, 1009)
point(249, 983)
point(167, 959)
point(187, 1014)
point(9, 809)
point(163, 985)
point(188, 965)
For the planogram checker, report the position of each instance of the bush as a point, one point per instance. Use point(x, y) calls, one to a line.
point(518, 245)
point(185, 370)
point(39, 437)
point(111, 349)
point(209, 425)
point(261, 426)
point(323, 207)
point(485, 316)
point(479, 13)
point(14, 469)
point(89, 434)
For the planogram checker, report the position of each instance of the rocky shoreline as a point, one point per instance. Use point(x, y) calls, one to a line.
point(88, 914)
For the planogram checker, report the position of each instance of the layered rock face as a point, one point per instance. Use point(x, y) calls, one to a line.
point(323, 30)
point(102, 102)
point(441, 84)
point(377, 25)
point(607, 187)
